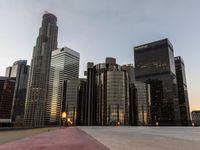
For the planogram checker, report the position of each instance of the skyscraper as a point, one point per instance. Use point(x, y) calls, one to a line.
point(132, 93)
point(142, 103)
point(182, 91)
point(155, 61)
point(64, 66)
point(39, 72)
point(107, 94)
point(18, 72)
point(75, 100)
point(156, 90)
point(90, 107)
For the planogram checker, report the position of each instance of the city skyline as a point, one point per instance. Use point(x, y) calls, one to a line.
point(98, 36)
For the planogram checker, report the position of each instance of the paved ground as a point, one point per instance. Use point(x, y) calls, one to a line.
point(147, 138)
point(61, 139)
point(12, 135)
point(103, 138)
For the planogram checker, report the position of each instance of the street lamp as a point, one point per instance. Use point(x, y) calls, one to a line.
point(118, 123)
point(156, 123)
point(64, 116)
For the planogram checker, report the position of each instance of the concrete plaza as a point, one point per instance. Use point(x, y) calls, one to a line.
point(70, 138)
point(147, 138)
point(103, 138)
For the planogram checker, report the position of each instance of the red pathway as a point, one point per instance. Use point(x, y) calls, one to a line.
point(70, 138)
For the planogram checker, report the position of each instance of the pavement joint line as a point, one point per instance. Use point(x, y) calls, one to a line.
point(93, 138)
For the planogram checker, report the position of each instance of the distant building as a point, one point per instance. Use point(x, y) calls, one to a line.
point(155, 61)
point(196, 117)
point(74, 101)
point(7, 87)
point(107, 94)
point(156, 93)
point(37, 90)
point(91, 100)
point(133, 116)
point(142, 104)
point(8, 72)
point(133, 113)
point(182, 91)
point(81, 113)
point(18, 72)
point(64, 66)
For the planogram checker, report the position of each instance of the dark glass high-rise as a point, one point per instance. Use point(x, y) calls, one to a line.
point(155, 61)
point(182, 91)
point(107, 101)
point(18, 72)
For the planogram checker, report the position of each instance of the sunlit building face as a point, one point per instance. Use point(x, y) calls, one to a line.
point(64, 65)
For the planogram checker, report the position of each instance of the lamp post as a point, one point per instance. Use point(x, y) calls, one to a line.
point(193, 124)
point(156, 123)
point(64, 117)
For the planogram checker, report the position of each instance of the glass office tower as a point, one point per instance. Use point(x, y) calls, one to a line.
point(90, 107)
point(155, 61)
point(64, 66)
point(74, 101)
point(37, 90)
point(182, 91)
point(156, 90)
point(18, 72)
point(107, 94)
point(142, 101)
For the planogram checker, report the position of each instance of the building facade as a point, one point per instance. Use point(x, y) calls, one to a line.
point(18, 72)
point(75, 100)
point(107, 94)
point(91, 100)
point(37, 90)
point(143, 102)
point(196, 117)
point(182, 91)
point(7, 87)
point(155, 61)
point(8, 71)
point(156, 90)
point(131, 72)
point(64, 66)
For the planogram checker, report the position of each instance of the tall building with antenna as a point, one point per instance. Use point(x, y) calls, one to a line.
point(37, 89)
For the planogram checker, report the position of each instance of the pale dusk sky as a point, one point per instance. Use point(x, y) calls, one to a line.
point(102, 28)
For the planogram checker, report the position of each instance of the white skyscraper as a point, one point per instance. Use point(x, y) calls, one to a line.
point(64, 66)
